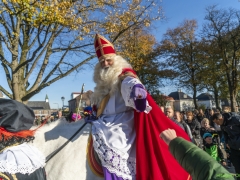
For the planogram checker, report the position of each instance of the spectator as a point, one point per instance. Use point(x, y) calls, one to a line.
point(205, 127)
point(169, 113)
point(195, 128)
point(179, 120)
point(200, 115)
point(209, 116)
point(195, 161)
point(226, 109)
point(195, 112)
point(213, 149)
point(59, 114)
point(183, 114)
point(230, 124)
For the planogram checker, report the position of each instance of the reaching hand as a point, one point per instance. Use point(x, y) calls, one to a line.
point(139, 96)
point(168, 135)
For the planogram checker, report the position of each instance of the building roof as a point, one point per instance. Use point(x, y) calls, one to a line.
point(38, 105)
point(204, 97)
point(178, 95)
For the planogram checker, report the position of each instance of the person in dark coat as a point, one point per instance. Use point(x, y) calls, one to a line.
point(195, 127)
point(178, 119)
point(210, 116)
point(230, 125)
point(18, 159)
point(200, 115)
point(195, 161)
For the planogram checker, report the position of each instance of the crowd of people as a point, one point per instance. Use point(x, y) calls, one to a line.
point(50, 118)
point(213, 131)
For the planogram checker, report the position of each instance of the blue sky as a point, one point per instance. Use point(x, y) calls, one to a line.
point(176, 11)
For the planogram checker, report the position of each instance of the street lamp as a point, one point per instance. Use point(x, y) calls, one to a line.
point(63, 98)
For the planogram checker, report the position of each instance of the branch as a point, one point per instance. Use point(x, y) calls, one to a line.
point(8, 76)
point(32, 92)
point(6, 92)
point(73, 48)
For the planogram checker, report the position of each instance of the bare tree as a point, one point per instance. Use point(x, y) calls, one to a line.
point(180, 48)
point(44, 41)
point(223, 29)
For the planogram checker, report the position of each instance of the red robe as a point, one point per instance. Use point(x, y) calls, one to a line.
point(153, 159)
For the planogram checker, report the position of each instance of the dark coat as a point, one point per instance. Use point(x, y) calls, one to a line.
point(195, 128)
point(200, 117)
point(231, 130)
point(204, 130)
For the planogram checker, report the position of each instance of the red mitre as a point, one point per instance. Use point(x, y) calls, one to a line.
point(103, 47)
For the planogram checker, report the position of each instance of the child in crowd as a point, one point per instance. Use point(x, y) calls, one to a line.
point(213, 149)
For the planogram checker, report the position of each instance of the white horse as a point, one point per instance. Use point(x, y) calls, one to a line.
point(71, 162)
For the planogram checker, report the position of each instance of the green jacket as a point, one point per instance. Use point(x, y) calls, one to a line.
point(214, 151)
point(197, 162)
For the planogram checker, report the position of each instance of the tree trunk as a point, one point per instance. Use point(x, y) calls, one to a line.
point(216, 98)
point(18, 86)
point(195, 97)
point(232, 92)
point(233, 101)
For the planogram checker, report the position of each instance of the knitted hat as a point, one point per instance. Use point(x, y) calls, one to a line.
point(15, 116)
point(205, 135)
point(103, 47)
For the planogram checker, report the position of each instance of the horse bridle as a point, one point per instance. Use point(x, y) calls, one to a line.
point(51, 155)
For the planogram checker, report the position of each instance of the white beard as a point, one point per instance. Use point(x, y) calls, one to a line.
point(107, 81)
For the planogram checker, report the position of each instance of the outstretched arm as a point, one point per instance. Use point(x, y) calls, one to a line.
point(134, 94)
point(194, 160)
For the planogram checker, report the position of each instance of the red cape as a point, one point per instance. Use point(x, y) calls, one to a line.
point(153, 159)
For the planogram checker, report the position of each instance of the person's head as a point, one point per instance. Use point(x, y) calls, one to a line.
point(195, 111)
point(169, 112)
point(200, 111)
point(205, 123)
point(218, 118)
point(226, 109)
point(211, 112)
point(189, 115)
point(177, 116)
point(207, 137)
point(107, 70)
point(16, 119)
point(106, 62)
